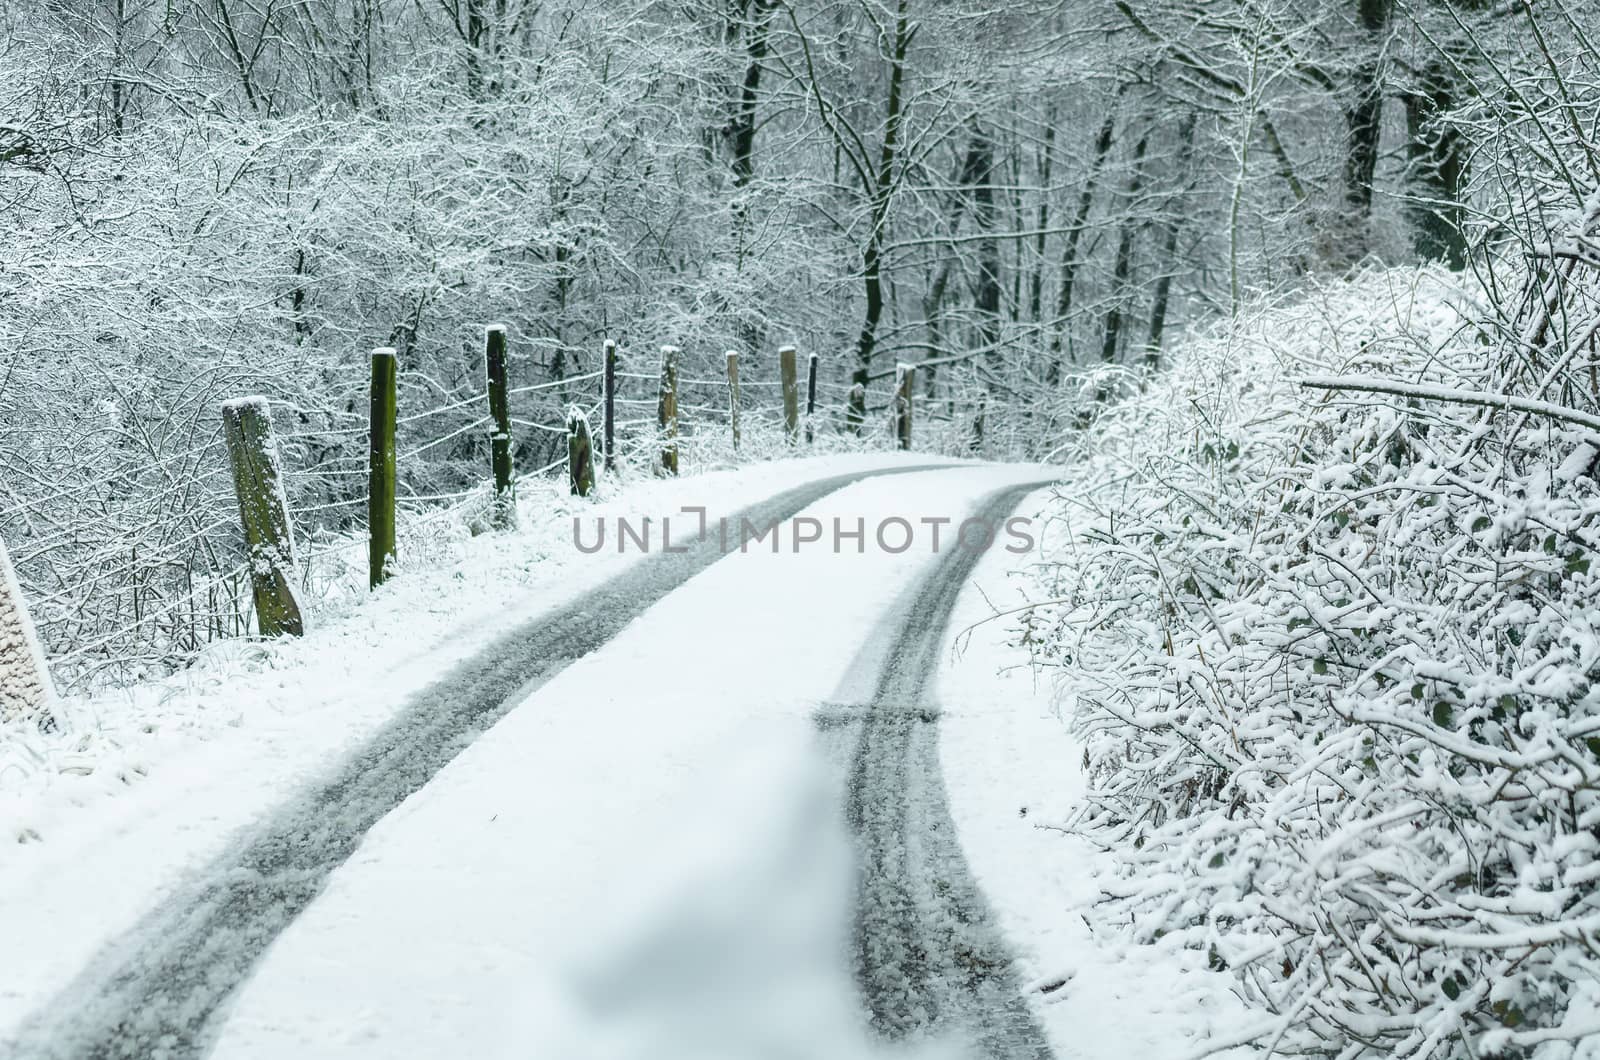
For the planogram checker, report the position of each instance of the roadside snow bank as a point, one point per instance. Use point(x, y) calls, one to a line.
point(1330, 657)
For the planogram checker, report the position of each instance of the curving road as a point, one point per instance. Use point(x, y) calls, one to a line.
point(929, 963)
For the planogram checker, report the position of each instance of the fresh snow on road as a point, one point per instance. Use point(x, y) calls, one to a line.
point(592, 878)
point(104, 820)
point(646, 858)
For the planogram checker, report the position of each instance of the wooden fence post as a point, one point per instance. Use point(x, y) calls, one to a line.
point(380, 468)
point(25, 688)
point(504, 513)
point(733, 397)
point(580, 453)
point(269, 542)
point(904, 374)
point(811, 398)
point(667, 410)
point(855, 409)
point(610, 426)
point(791, 395)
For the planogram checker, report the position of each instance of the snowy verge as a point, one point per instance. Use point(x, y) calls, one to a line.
point(102, 815)
point(1012, 775)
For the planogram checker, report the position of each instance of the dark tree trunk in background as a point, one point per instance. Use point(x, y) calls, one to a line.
point(1122, 272)
point(753, 21)
point(933, 298)
point(741, 130)
point(1169, 245)
point(1046, 161)
point(882, 192)
point(473, 26)
point(1437, 156)
point(1069, 253)
point(1364, 124)
point(978, 174)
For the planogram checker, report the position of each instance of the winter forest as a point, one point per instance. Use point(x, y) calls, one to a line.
point(1302, 297)
point(205, 199)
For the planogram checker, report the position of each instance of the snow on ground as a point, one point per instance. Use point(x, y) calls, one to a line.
point(100, 820)
point(645, 859)
point(1012, 774)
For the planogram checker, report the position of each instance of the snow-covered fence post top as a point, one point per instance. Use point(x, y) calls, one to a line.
point(667, 410)
point(269, 543)
point(811, 397)
point(25, 687)
point(494, 358)
point(900, 417)
point(580, 452)
point(611, 404)
point(381, 468)
point(791, 393)
point(733, 397)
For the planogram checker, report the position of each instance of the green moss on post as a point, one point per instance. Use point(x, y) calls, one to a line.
point(264, 515)
point(667, 410)
point(791, 393)
point(504, 514)
point(381, 468)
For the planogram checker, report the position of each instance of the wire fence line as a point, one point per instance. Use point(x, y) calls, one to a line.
point(132, 571)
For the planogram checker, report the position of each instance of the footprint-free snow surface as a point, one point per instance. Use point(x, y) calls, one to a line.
point(616, 833)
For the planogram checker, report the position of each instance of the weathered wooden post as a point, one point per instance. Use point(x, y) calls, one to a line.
point(381, 468)
point(25, 688)
point(504, 513)
point(667, 410)
point(733, 397)
point(811, 398)
point(610, 426)
point(791, 393)
point(904, 374)
point(580, 453)
point(264, 514)
point(855, 409)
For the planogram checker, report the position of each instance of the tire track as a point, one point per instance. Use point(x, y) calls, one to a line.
point(159, 991)
point(929, 961)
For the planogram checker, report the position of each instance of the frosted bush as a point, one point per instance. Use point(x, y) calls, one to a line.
point(1330, 657)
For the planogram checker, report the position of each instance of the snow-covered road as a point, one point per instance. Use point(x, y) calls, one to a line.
point(928, 958)
point(708, 821)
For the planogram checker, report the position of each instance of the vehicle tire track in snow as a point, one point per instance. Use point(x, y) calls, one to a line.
point(929, 961)
point(156, 993)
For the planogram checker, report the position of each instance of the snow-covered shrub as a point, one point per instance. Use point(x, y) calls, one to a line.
point(1331, 655)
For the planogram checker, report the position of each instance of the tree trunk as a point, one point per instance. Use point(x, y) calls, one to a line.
point(1437, 155)
point(1364, 124)
point(1046, 162)
point(741, 130)
point(1122, 272)
point(1169, 247)
point(1069, 253)
point(872, 253)
point(978, 174)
